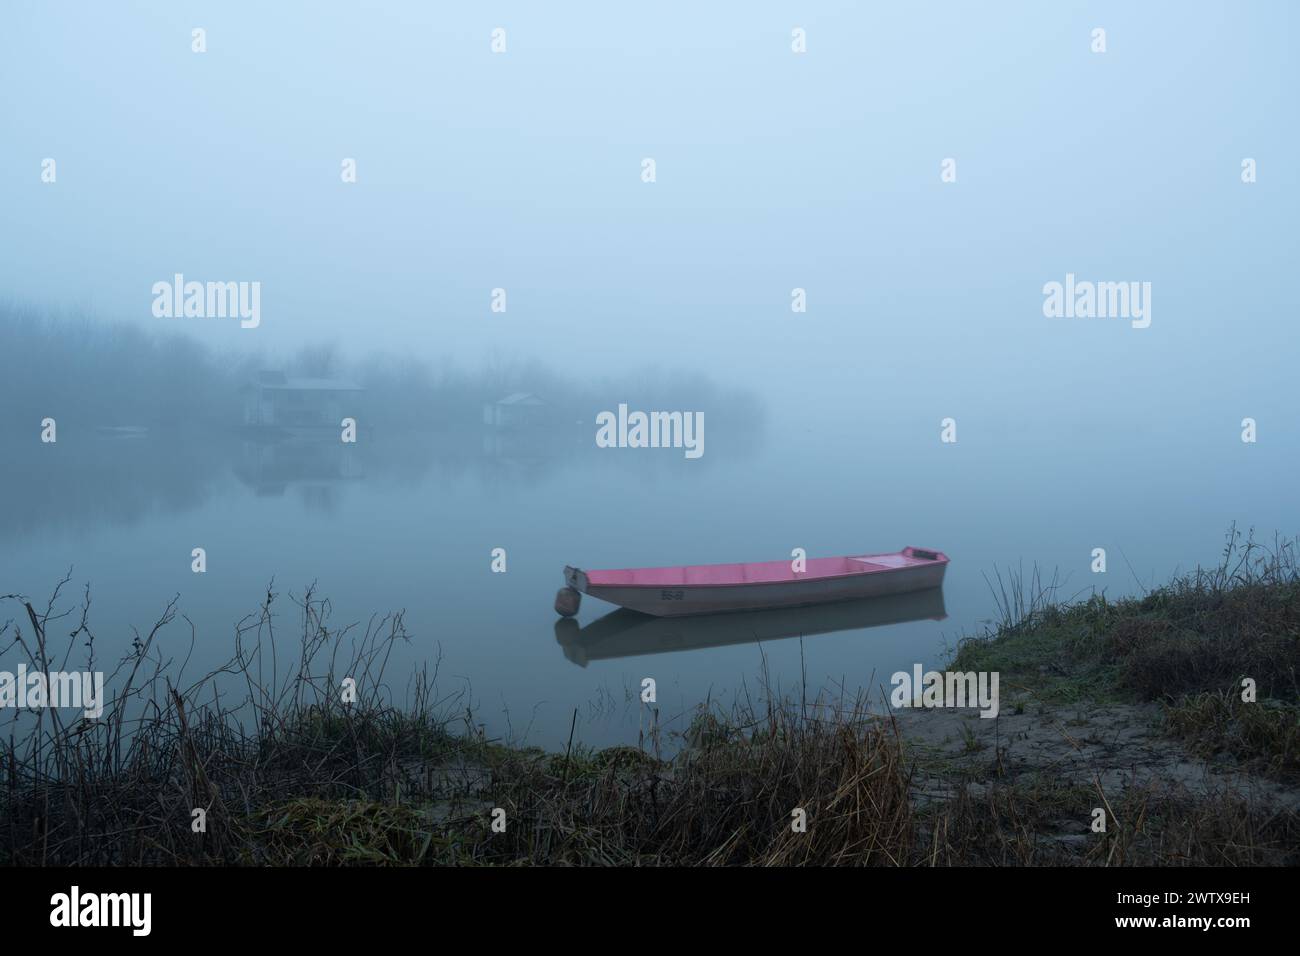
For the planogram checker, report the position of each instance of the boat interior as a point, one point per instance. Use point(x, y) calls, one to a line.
point(758, 572)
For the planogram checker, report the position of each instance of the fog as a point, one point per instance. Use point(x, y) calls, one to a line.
point(522, 170)
point(916, 179)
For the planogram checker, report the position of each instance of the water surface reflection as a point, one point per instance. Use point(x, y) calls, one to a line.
point(625, 633)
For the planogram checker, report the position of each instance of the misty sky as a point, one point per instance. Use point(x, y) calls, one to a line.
point(775, 170)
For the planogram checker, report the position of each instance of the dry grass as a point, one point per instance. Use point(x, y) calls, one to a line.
point(260, 730)
point(722, 801)
point(1264, 735)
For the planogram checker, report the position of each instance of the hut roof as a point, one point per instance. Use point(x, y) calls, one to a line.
point(279, 382)
point(521, 398)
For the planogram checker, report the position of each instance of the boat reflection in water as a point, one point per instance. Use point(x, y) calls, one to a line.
point(625, 633)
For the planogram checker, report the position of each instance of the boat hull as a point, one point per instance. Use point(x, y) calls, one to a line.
point(627, 633)
point(665, 592)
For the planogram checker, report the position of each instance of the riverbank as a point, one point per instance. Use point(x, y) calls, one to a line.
point(1128, 712)
point(1173, 717)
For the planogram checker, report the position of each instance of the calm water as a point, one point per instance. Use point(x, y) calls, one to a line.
point(409, 522)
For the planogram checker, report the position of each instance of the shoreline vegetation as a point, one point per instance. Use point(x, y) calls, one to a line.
point(1130, 708)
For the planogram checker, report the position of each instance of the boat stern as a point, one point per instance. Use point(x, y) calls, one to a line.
point(576, 578)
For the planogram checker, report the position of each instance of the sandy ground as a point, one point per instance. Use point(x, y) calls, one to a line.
point(1115, 746)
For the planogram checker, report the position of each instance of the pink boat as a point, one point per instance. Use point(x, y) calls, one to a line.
point(754, 586)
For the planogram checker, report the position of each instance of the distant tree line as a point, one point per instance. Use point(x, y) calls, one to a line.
point(86, 373)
